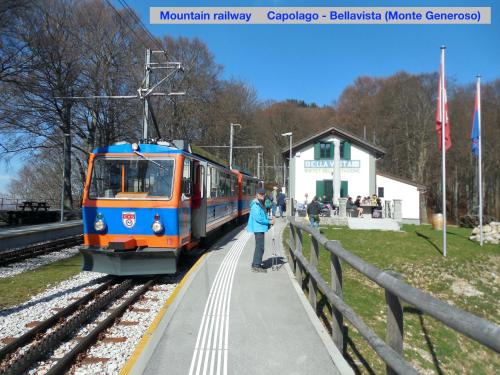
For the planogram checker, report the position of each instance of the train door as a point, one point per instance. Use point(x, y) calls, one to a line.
point(185, 211)
point(199, 203)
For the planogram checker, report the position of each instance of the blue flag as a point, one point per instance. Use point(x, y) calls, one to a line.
point(474, 136)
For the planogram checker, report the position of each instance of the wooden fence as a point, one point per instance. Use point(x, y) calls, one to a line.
point(390, 350)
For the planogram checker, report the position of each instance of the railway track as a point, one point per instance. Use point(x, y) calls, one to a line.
point(13, 256)
point(37, 344)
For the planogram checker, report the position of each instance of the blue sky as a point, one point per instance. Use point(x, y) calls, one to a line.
point(316, 62)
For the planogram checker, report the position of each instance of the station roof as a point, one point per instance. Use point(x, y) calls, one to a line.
point(403, 180)
point(378, 151)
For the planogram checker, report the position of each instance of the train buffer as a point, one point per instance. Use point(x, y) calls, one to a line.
point(227, 319)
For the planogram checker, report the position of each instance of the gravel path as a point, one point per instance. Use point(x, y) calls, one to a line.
point(33, 263)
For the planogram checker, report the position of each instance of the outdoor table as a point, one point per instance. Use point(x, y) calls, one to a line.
point(34, 206)
point(367, 209)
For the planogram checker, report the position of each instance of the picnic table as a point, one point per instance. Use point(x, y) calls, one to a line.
point(34, 206)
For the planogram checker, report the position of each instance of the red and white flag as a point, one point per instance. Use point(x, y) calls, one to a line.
point(442, 101)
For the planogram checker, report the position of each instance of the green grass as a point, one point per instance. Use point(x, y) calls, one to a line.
point(19, 288)
point(415, 253)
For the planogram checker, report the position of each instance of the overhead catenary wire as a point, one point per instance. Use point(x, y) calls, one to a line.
point(124, 21)
point(148, 33)
point(130, 11)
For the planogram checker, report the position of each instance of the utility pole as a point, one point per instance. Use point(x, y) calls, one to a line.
point(145, 99)
point(289, 134)
point(231, 134)
point(274, 166)
point(63, 176)
point(258, 165)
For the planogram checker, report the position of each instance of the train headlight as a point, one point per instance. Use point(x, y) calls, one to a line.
point(99, 224)
point(157, 226)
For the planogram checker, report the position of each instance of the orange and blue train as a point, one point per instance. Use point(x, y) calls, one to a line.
point(145, 203)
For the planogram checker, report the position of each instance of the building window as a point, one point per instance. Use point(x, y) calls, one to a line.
point(380, 192)
point(345, 150)
point(323, 150)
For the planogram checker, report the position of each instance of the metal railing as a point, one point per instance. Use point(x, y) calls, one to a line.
point(390, 350)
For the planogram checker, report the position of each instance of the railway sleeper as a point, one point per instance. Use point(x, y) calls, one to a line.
point(40, 349)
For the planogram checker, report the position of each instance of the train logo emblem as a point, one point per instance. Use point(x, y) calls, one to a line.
point(128, 219)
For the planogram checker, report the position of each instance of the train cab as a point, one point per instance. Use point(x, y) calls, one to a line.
point(145, 203)
point(135, 209)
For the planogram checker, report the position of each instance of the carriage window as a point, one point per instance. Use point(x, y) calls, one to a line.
point(228, 186)
point(214, 183)
point(252, 187)
point(233, 186)
point(209, 182)
point(201, 168)
point(132, 177)
point(186, 178)
point(222, 185)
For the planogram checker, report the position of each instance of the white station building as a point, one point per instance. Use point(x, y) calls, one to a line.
point(313, 172)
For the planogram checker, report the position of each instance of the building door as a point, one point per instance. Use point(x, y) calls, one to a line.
point(324, 188)
point(344, 189)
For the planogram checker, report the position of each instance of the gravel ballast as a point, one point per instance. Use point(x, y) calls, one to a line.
point(107, 356)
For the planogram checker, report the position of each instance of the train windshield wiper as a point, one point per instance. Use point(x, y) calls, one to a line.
point(151, 160)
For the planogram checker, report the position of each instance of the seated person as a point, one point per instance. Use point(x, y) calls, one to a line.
point(358, 206)
point(350, 206)
point(377, 210)
point(374, 200)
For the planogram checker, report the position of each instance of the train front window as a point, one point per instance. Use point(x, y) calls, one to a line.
point(114, 178)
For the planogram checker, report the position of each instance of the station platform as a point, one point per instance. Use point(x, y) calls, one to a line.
point(227, 319)
point(13, 237)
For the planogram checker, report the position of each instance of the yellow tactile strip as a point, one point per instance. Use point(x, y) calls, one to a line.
point(154, 325)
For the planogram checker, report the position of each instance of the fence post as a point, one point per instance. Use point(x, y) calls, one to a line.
point(313, 262)
point(398, 213)
point(387, 209)
point(292, 244)
point(394, 329)
point(337, 318)
point(298, 249)
point(343, 207)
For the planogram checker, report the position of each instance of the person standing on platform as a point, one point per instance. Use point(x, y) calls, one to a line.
point(274, 197)
point(258, 224)
point(268, 204)
point(313, 210)
point(282, 203)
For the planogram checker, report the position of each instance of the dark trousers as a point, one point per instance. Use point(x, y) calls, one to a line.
point(259, 249)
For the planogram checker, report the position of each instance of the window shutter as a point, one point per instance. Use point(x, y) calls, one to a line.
point(344, 189)
point(347, 151)
point(317, 151)
point(320, 188)
point(331, 150)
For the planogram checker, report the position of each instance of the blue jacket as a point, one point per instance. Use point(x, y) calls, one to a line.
point(281, 199)
point(258, 221)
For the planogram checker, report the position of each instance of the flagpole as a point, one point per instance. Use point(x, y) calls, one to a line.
point(443, 147)
point(479, 161)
